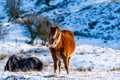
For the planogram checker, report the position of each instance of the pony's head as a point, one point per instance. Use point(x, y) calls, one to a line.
point(54, 36)
point(12, 63)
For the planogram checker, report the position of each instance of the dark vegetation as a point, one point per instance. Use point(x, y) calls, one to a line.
point(13, 8)
point(3, 56)
point(103, 26)
point(36, 27)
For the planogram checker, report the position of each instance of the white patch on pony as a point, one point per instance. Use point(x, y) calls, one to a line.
point(55, 43)
point(59, 38)
point(55, 35)
point(52, 46)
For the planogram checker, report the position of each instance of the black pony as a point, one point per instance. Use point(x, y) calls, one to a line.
point(16, 63)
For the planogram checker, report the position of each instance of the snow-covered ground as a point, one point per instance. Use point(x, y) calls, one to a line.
point(100, 53)
point(102, 60)
point(91, 53)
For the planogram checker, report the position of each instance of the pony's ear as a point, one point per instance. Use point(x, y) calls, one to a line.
point(56, 27)
point(51, 27)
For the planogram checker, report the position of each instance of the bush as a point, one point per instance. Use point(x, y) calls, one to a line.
point(43, 29)
point(37, 26)
point(14, 8)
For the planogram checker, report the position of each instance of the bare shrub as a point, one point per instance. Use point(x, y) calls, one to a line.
point(14, 8)
point(36, 26)
point(43, 29)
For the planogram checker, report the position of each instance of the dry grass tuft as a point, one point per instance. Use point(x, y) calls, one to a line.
point(3, 56)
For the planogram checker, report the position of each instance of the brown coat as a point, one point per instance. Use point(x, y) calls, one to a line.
point(63, 49)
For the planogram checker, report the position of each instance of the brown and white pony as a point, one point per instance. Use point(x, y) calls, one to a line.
point(16, 63)
point(61, 46)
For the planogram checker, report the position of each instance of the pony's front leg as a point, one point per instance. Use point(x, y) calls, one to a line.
point(59, 64)
point(55, 65)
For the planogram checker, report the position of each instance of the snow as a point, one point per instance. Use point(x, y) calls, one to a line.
point(54, 2)
point(89, 53)
point(28, 5)
point(3, 15)
point(99, 54)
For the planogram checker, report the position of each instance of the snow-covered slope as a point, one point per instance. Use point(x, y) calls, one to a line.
point(97, 21)
point(86, 18)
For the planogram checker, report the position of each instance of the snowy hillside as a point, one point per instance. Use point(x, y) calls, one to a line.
point(95, 24)
point(87, 18)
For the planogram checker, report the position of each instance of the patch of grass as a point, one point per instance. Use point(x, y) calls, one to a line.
point(106, 23)
point(92, 24)
point(82, 33)
point(115, 69)
point(85, 69)
point(87, 7)
point(3, 56)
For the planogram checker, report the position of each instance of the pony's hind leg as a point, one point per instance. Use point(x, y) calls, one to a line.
point(66, 64)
